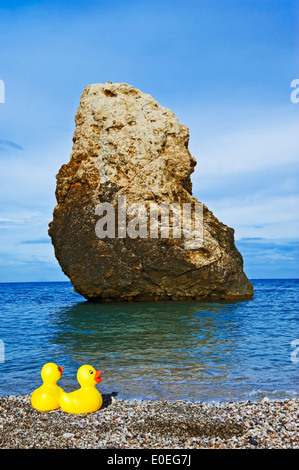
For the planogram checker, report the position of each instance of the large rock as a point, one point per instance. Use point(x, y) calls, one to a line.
point(128, 149)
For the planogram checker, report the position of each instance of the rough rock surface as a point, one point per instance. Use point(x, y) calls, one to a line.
point(126, 144)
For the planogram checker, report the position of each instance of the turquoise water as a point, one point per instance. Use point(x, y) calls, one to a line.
point(172, 350)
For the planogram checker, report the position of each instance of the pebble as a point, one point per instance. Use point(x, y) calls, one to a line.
point(253, 442)
point(122, 424)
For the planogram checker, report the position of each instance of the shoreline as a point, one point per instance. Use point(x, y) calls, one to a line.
point(135, 424)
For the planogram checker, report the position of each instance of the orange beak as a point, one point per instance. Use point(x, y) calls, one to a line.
point(97, 377)
point(60, 369)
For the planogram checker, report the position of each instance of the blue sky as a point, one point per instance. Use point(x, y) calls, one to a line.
point(223, 66)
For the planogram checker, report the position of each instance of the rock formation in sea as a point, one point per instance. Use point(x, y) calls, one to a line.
point(121, 229)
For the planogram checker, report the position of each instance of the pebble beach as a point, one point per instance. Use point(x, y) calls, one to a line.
point(120, 424)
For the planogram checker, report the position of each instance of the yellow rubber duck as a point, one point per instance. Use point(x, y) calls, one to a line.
point(46, 397)
point(87, 398)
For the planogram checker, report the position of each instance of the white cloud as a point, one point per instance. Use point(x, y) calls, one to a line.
point(28, 180)
point(272, 217)
point(254, 148)
point(247, 173)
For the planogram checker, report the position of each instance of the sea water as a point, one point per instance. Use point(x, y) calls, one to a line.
point(197, 351)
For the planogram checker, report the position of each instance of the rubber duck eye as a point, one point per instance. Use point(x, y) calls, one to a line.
point(91, 372)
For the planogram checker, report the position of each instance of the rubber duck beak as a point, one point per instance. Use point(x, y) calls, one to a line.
point(97, 377)
point(60, 369)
